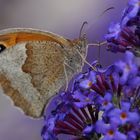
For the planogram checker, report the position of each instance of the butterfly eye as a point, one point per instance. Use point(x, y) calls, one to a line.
point(2, 48)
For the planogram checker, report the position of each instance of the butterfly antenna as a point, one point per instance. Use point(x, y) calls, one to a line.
point(82, 27)
point(99, 16)
point(106, 10)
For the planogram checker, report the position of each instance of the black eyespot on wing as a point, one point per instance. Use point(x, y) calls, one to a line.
point(71, 60)
point(2, 48)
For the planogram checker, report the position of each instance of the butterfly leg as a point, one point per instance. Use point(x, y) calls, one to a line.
point(66, 76)
point(85, 61)
point(99, 44)
point(65, 65)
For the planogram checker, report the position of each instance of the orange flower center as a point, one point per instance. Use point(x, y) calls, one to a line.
point(111, 132)
point(105, 103)
point(123, 115)
point(90, 84)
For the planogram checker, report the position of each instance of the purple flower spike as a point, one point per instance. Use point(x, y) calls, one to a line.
point(131, 11)
point(125, 35)
point(103, 104)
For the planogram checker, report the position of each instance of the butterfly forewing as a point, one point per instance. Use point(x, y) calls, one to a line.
point(32, 67)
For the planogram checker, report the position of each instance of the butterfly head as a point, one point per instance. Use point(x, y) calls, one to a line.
point(80, 44)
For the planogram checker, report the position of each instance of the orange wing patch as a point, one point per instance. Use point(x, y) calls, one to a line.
point(12, 39)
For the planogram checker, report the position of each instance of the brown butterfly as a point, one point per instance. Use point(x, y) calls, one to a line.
point(35, 64)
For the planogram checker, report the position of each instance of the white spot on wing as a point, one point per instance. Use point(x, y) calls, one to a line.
point(11, 61)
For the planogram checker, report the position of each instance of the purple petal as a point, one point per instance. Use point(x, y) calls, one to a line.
point(125, 106)
point(85, 84)
point(88, 129)
point(134, 117)
point(131, 135)
point(108, 96)
point(120, 136)
point(101, 127)
point(114, 31)
point(80, 104)
point(78, 95)
point(115, 112)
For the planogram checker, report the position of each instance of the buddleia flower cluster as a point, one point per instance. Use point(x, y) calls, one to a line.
point(103, 104)
point(125, 35)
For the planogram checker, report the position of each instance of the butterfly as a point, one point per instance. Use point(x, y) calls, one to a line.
point(35, 64)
